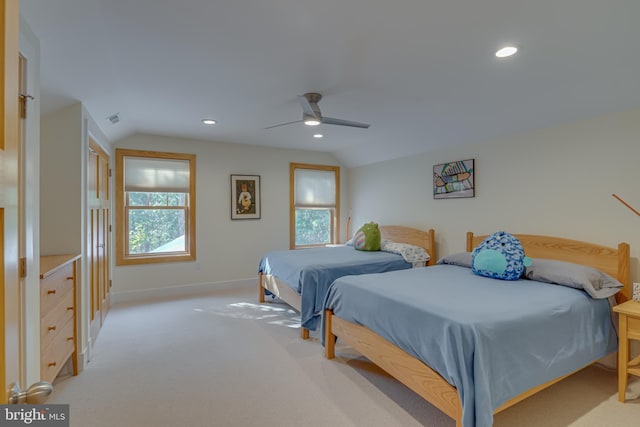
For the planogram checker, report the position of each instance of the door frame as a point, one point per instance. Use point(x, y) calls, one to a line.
point(98, 224)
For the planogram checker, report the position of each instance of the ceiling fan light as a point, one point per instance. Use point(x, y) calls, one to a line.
point(311, 121)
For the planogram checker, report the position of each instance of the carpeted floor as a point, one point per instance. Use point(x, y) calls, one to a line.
point(223, 359)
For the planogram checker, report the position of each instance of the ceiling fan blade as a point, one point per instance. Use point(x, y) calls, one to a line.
point(340, 122)
point(283, 124)
point(307, 108)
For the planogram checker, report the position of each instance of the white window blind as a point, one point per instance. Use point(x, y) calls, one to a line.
point(315, 188)
point(157, 175)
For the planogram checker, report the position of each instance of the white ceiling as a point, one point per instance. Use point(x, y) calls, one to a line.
point(421, 72)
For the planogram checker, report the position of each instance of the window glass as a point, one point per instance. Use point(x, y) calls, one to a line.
point(313, 226)
point(156, 230)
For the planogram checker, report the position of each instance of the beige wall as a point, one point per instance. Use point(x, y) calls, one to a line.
point(227, 250)
point(61, 167)
point(556, 181)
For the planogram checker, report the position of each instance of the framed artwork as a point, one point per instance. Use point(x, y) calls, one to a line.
point(245, 197)
point(454, 180)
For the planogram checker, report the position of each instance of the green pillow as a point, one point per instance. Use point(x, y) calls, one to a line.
point(367, 238)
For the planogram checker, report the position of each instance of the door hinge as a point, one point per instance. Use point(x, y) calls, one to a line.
point(23, 267)
point(109, 173)
point(109, 228)
point(23, 97)
point(110, 283)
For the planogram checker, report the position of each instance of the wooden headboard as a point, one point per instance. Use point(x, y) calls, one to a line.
point(614, 262)
point(411, 236)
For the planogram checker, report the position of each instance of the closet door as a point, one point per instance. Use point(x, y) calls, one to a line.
point(98, 238)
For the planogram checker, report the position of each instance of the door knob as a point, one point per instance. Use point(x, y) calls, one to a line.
point(37, 393)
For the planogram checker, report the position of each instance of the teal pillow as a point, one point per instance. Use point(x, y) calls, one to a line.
point(367, 238)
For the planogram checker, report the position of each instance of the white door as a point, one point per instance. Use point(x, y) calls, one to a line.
point(29, 208)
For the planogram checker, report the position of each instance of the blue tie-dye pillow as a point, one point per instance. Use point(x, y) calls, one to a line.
point(500, 256)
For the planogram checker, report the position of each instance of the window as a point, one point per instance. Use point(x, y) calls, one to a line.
point(155, 207)
point(315, 204)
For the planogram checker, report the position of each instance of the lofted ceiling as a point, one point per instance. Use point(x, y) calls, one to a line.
point(422, 73)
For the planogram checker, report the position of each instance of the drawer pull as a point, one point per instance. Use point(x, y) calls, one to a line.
point(69, 308)
point(52, 291)
point(70, 278)
point(69, 338)
point(51, 364)
point(51, 328)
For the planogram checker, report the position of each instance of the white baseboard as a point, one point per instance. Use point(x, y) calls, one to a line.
point(181, 290)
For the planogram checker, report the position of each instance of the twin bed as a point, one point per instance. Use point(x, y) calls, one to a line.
point(301, 277)
point(471, 345)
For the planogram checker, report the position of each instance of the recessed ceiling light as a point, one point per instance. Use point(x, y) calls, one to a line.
point(506, 51)
point(208, 121)
point(318, 135)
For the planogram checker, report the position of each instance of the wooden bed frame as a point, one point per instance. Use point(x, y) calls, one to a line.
point(396, 233)
point(429, 384)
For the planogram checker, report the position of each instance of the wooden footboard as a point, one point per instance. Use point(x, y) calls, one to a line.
point(405, 368)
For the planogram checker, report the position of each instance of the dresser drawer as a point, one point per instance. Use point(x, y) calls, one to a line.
point(54, 288)
point(54, 321)
point(57, 353)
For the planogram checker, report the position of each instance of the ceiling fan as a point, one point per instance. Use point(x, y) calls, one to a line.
point(311, 115)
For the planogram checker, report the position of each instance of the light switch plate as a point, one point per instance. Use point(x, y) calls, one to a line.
point(636, 292)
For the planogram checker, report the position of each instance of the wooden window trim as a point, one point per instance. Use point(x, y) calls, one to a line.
point(121, 224)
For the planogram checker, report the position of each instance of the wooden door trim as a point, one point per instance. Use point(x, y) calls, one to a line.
point(98, 219)
point(9, 125)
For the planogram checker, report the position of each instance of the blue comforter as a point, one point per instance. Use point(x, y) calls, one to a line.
point(310, 272)
point(491, 339)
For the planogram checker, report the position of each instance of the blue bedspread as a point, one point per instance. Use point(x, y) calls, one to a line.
point(491, 339)
point(310, 272)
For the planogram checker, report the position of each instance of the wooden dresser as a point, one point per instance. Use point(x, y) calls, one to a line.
point(58, 277)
